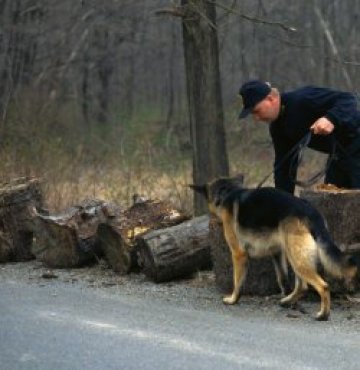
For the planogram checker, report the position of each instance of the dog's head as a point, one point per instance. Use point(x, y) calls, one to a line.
point(216, 191)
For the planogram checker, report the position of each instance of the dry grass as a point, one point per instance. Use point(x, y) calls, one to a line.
point(105, 167)
point(68, 180)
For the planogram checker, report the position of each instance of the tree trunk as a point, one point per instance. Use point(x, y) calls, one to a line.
point(176, 251)
point(105, 68)
point(17, 200)
point(204, 94)
point(85, 92)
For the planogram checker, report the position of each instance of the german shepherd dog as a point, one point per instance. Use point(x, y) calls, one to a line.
point(269, 222)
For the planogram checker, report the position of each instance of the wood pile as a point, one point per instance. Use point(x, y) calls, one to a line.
point(128, 239)
point(151, 236)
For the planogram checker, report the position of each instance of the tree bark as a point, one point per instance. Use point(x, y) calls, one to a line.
point(176, 251)
point(204, 94)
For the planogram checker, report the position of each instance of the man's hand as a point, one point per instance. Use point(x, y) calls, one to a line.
point(322, 126)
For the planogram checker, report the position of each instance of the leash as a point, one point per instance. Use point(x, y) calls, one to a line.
point(296, 154)
point(317, 176)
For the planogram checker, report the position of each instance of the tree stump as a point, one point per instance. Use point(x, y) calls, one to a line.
point(176, 251)
point(260, 278)
point(70, 239)
point(340, 208)
point(118, 235)
point(18, 198)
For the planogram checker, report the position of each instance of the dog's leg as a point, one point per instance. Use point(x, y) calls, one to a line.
point(322, 288)
point(301, 251)
point(279, 261)
point(299, 290)
point(239, 261)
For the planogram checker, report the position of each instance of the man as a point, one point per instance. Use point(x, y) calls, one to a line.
point(331, 116)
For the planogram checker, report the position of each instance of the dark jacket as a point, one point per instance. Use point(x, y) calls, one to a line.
point(299, 110)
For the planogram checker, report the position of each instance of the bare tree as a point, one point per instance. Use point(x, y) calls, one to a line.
point(204, 94)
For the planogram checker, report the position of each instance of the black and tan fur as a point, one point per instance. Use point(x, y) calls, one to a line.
point(269, 222)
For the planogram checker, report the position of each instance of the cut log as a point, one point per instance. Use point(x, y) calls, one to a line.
point(18, 198)
point(261, 277)
point(116, 250)
point(118, 235)
point(176, 251)
point(70, 239)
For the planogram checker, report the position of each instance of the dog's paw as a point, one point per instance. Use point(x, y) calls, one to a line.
point(230, 299)
point(322, 316)
point(285, 302)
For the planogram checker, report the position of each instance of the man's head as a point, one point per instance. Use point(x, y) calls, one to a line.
point(261, 100)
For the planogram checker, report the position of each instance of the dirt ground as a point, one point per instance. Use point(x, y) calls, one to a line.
point(197, 292)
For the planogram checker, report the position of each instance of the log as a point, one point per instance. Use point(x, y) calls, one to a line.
point(117, 251)
point(176, 251)
point(69, 239)
point(260, 278)
point(118, 235)
point(18, 198)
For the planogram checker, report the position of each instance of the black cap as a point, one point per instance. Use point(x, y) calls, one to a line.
point(252, 92)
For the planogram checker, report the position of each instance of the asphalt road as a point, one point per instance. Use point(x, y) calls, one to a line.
point(66, 327)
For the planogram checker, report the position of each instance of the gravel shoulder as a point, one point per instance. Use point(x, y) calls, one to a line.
point(198, 292)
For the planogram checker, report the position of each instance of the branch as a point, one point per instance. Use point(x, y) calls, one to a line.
point(332, 44)
point(175, 11)
point(253, 19)
point(181, 11)
point(312, 46)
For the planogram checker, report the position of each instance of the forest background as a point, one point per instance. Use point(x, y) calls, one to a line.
point(93, 95)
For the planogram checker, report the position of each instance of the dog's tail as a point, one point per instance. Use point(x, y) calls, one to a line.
point(334, 261)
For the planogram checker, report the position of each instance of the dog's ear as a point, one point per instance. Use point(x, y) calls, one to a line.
point(239, 179)
point(202, 189)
